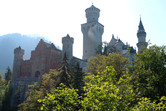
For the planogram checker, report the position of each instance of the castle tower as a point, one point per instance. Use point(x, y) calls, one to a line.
point(18, 59)
point(67, 46)
point(92, 32)
point(141, 35)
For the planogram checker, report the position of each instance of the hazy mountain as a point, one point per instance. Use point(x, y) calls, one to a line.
point(9, 42)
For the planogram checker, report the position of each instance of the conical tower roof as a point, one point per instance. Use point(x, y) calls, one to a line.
point(141, 27)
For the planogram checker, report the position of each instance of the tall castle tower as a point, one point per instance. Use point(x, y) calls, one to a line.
point(92, 32)
point(18, 59)
point(67, 46)
point(141, 35)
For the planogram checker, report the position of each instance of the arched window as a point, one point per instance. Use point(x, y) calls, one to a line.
point(37, 74)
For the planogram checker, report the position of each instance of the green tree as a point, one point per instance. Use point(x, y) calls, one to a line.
point(2, 89)
point(7, 97)
point(103, 48)
point(31, 104)
point(65, 72)
point(8, 91)
point(99, 49)
point(17, 97)
point(100, 94)
point(77, 78)
point(105, 92)
point(145, 104)
point(39, 90)
point(1, 76)
point(63, 98)
point(8, 74)
point(100, 62)
point(149, 72)
point(46, 85)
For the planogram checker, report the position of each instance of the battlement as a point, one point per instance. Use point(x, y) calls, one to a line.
point(18, 50)
point(67, 39)
point(92, 14)
point(67, 46)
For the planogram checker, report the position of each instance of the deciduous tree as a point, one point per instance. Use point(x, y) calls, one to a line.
point(100, 62)
point(149, 72)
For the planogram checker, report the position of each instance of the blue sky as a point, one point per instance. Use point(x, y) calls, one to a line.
point(55, 19)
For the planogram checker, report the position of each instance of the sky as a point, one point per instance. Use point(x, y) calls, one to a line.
point(54, 19)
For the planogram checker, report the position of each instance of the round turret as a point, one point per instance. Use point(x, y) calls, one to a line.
point(18, 59)
point(141, 35)
point(19, 51)
point(92, 14)
point(92, 32)
point(67, 39)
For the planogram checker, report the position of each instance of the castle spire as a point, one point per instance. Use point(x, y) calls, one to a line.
point(141, 35)
point(141, 27)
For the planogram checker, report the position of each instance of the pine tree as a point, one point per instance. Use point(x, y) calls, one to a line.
point(78, 76)
point(8, 74)
point(65, 72)
point(8, 91)
point(17, 98)
point(7, 97)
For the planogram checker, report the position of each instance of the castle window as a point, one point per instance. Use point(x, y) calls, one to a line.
point(37, 74)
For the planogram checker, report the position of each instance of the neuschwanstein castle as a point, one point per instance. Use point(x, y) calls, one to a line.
point(46, 56)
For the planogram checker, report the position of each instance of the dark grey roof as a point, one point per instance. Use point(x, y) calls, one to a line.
point(141, 27)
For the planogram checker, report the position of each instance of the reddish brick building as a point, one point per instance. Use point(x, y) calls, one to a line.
point(25, 72)
point(43, 58)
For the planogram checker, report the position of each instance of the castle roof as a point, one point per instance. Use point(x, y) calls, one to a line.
point(92, 8)
point(47, 45)
point(68, 38)
point(141, 27)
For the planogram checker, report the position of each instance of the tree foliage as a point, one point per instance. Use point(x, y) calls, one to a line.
point(149, 72)
point(63, 98)
point(7, 90)
point(40, 89)
point(8, 74)
point(77, 78)
point(100, 94)
point(145, 104)
point(7, 97)
point(47, 84)
point(31, 103)
point(65, 72)
point(2, 89)
point(100, 62)
point(105, 92)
